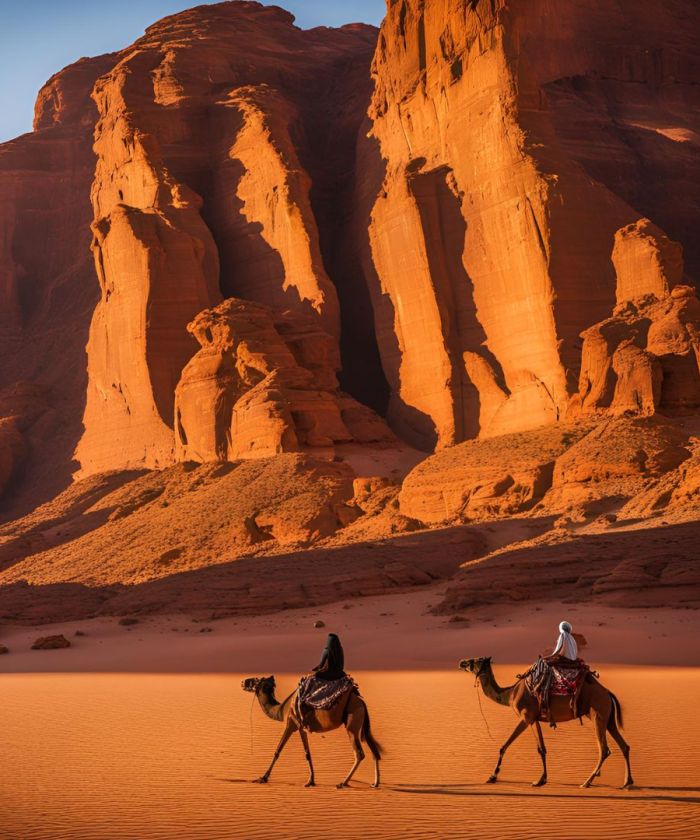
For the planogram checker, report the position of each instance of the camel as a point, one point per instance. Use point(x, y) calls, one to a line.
point(594, 700)
point(351, 713)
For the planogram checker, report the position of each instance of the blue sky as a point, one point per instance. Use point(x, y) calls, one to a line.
point(39, 37)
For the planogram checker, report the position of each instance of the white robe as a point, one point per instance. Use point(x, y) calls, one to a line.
point(566, 646)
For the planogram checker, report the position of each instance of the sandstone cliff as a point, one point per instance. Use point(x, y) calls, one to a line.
point(519, 151)
point(337, 251)
point(200, 192)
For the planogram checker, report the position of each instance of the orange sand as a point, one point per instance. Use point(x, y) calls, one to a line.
point(143, 757)
point(156, 755)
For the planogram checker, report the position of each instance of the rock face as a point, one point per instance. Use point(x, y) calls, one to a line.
point(263, 383)
point(515, 176)
point(47, 283)
point(466, 211)
point(299, 257)
point(200, 192)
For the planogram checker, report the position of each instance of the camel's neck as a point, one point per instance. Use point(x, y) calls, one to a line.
point(493, 690)
point(271, 706)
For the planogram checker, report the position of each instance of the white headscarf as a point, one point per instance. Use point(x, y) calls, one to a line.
point(566, 644)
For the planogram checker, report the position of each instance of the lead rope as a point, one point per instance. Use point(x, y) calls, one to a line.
point(478, 694)
point(251, 722)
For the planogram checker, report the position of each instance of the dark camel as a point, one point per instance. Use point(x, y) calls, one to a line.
point(595, 701)
point(351, 713)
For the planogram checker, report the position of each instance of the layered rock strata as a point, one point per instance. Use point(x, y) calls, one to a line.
point(517, 153)
point(200, 190)
point(506, 220)
point(264, 382)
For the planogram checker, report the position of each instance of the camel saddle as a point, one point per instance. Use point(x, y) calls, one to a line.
point(556, 676)
point(316, 693)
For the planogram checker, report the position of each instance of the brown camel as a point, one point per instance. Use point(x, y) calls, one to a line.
point(351, 713)
point(595, 701)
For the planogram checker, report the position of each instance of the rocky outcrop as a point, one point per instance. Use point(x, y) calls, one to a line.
point(615, 462)
point(488, 237)
point(646, 262)
point(201, 190)
point(51, 642)
point(643, 359)
point(508, 165)
point(474, 480)
point(675, 492)
point(186, 517)
point(263, 383)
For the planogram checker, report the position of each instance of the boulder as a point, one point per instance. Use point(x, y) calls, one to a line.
point(475, 480)
point(646, 261)
point(51, 642)
point(264, 382)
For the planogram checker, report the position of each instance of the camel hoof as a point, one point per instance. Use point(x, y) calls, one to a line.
point(586, 784)
point(261, 781)
point(375, 785)
point(491, 780)
point(627, 786)
point(342, 785)
point(310, 784)
point(539, 783)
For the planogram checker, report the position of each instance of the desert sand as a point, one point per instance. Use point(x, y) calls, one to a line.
point(380, 633)
point(166, 742)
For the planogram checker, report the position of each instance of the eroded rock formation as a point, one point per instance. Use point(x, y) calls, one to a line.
point(643, 359)
point(485, 241)
point(516, 140)
point(200, 192)
point(263, 383)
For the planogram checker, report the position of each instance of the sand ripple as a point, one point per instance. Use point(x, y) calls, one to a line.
point(134, 757)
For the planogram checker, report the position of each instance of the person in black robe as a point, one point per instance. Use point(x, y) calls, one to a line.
point(332, 664)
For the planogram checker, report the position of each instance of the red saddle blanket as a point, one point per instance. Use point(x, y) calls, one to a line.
point(567, 679)
point(556, 676)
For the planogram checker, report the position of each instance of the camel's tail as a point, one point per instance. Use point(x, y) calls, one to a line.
point(617, 709)
point(370, 740)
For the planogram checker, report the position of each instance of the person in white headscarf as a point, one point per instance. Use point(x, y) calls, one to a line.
point(566, 645)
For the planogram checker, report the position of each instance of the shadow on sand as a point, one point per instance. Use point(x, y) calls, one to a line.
point(599, 792)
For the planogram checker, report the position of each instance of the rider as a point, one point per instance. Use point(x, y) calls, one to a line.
point(566, 644)
point(329, 669)
point(331, 666)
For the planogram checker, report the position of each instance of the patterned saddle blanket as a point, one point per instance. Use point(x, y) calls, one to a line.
point(323, 694)
point(556, 676)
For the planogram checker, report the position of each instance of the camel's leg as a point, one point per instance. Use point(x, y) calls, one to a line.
point(286, 735)
point(623, 745)
point(305, 741)
point(354, 727)
point(542, 750)
point(375, 783)
point(603, 749)
point(517, 732)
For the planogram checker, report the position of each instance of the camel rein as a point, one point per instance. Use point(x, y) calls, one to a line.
point(478, 695)
point(252, 703)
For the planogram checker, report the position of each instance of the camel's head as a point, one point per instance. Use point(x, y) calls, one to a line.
point(258, 684)
point(475, 666)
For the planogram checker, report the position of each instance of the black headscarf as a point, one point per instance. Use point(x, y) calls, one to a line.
point(332, 663)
